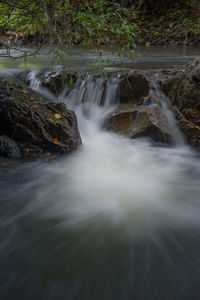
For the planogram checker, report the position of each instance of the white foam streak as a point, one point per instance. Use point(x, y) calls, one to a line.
point(36, 85)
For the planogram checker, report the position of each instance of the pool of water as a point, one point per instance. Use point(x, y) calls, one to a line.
point(145, 58)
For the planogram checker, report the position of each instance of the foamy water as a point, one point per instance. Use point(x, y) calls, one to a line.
point(118, 219)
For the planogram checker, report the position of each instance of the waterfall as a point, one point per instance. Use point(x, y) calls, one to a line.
point(93, 98)
point(158, 98)
point(36, 84)
point(117, 219)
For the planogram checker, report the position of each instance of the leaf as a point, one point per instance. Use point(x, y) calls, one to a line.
point(34, 105)
point(51, 120)
point(55, 141)
point(11, 98)
point(70, 81)
point(57, 116)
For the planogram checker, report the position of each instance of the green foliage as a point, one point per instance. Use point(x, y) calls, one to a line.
point(198, 26)
point(193, 27)
point(103, 22)
point(17, 17)
point(191, 3)
point(90, 23)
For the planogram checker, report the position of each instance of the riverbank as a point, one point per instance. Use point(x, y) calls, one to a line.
point(178, 25)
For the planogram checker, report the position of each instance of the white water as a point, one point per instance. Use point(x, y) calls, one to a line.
point(36, 85)
point(126, 181)
point(117, 219)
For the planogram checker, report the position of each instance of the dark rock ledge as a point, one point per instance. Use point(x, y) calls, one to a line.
point(183, 90)
point(31, 127)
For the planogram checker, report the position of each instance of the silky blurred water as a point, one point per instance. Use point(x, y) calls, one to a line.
point(118, 219)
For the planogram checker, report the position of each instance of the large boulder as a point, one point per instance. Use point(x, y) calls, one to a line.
point(140, 121)
point(36, 125)
point(183, 89)
point(133, 88)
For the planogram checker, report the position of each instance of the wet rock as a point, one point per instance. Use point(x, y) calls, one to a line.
point(36, 125)
point(188, 127)
point(9, 148)
point(183, 89)
point(140, 121)
point(133, 88)
point(192, 115)
point(54, 79)
point(57, 78)
point(23, 76)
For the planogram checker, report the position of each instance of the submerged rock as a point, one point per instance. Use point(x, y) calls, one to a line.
point(140, 121)
point(133, 88)
point(36, 125)
point(183, 89)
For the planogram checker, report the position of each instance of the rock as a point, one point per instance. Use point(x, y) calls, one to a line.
point(188, 127)
point(183, 90)
point(192, 115)
point(57, 78)
point(35, 124)
point(9, 148)
point(23, 76)
point(54, 79)
point(140, 121)
point(133, 88)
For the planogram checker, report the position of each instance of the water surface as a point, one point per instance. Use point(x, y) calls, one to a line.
point(81, 59)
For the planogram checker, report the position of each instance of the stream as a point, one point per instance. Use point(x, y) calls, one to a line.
point(119, 219)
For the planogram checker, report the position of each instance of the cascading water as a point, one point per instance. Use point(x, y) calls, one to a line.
point(36, 85)
point(160, 99)
point(118, 219)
